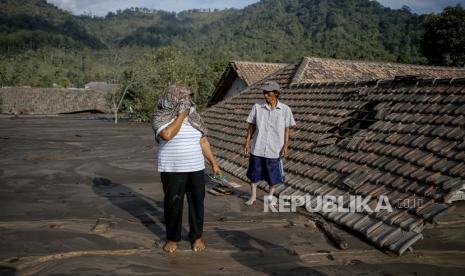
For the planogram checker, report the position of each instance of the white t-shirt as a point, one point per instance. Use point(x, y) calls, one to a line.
point(183, 152)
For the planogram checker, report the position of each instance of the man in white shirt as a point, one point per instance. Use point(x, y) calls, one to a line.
point(267, 139)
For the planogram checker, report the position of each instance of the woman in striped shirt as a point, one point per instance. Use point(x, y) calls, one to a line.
point(183, 146)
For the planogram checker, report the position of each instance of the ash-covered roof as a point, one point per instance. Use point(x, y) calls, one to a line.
point(316, 70)
point(403, 138)
point(249, 72)
point(102, 86)
point(46, 101)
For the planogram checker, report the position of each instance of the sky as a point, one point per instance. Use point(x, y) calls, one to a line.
point(102, 7)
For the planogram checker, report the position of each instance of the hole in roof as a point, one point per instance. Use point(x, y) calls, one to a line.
point(361, 119)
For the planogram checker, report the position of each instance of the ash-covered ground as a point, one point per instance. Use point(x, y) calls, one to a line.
point(80, 195)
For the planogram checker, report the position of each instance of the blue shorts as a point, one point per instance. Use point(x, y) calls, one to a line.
point(261, 168)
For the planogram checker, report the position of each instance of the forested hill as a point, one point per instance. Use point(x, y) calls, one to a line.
point(33, 24)
point(148, 28)
point(270, 30)
point(284, 30)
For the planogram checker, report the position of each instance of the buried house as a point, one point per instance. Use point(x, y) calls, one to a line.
point(48, 101)
point(363, 130)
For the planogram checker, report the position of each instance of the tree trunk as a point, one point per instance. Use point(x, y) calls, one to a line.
point(120, 102)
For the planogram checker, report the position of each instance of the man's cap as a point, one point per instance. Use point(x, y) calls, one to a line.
point(271, 86)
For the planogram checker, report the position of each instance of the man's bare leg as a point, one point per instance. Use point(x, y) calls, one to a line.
point(253, 194)
point(272, 189)
point(271, 193)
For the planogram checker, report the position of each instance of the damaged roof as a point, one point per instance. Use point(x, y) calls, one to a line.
point(403, 138)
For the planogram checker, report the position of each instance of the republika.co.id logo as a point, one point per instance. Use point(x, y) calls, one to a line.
point(327, 204)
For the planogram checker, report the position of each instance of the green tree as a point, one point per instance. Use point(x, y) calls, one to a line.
point(64, 82)
point(443, 40)
point(159, 69)
point(142, 85)
point(129, 79)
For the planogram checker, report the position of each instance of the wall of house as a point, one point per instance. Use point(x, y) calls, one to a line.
point(31, 100)
point(237, 86)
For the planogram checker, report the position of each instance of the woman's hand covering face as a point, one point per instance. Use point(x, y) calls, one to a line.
point(185, 106)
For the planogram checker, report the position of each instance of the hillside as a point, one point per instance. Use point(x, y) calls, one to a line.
point(284, 30)
point(281, 30)
point(270, 30)
point(33, 24)
point(143, 27)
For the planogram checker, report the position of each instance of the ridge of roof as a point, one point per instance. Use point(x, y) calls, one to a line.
point(300, 71)
point(411, 80)
point(394, 64)
point(260, 62)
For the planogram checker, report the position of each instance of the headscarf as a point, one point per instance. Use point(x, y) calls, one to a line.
point(173, 101)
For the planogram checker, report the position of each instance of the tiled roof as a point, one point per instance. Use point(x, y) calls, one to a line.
point(316, 70)
point(35, 100)
point(403, 138)
point(102, 86)
point(249, 72)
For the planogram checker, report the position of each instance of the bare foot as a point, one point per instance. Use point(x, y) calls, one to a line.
point(170, 246)
point(250, 202)
point(198, 245)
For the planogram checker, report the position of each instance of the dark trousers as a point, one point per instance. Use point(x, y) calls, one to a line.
point(175, 186)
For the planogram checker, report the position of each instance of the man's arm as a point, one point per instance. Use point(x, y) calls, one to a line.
point(208, 153)
point(289, 122)
point(248, 138)
point(172, 129)
point(287, 135)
